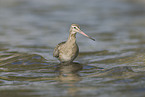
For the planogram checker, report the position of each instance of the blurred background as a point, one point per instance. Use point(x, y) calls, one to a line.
point(113, 65)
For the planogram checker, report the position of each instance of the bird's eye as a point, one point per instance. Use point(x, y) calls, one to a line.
point(75, 27)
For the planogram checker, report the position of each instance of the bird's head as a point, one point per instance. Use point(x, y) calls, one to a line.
point(76, 29)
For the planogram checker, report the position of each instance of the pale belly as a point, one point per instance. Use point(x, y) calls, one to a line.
point(68, 55)
point(65, 57)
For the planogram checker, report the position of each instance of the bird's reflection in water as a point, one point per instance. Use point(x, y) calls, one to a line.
point(68, 72)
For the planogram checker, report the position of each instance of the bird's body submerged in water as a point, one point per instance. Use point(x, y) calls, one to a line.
point(67, 51)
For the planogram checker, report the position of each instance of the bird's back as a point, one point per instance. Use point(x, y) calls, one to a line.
point(56, 50)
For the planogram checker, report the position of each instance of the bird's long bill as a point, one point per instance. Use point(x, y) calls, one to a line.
point(86, 35)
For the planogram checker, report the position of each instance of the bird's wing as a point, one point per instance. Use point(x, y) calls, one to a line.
point(56, 50)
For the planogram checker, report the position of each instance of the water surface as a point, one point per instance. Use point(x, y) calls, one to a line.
point(112, 66)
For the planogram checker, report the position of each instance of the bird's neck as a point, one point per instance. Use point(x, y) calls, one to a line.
point(71, 38)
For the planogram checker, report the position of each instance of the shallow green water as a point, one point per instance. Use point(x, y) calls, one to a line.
point(112, 66)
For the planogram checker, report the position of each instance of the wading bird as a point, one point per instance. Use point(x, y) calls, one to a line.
point(67, 51)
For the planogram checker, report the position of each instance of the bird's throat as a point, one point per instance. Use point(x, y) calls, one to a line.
point(72, 38)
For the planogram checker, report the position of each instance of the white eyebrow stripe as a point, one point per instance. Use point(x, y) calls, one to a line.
point(75, 26)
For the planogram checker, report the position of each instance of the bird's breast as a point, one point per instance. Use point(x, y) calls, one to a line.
point(68, 52)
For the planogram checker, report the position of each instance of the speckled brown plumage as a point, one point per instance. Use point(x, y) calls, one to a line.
point(67, 51)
